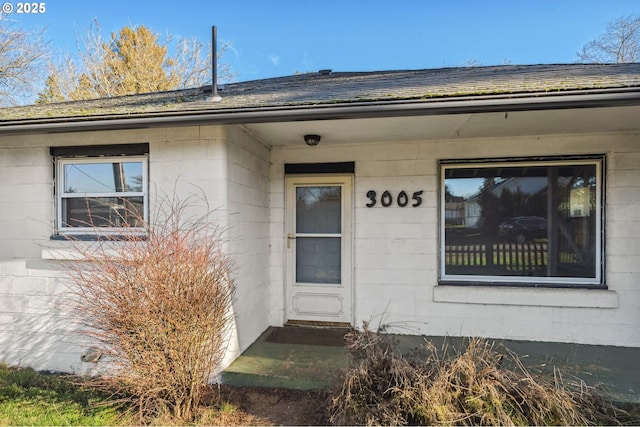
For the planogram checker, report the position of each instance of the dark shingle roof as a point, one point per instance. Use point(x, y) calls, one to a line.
point(343, 88)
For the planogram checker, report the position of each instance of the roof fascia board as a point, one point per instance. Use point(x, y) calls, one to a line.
point(469, 105)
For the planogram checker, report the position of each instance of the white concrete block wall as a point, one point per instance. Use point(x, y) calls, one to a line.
point(248, 232)
point(277, 241)
point(190, 162)
point(25, 187)
point(397, 250)
point(34, 330)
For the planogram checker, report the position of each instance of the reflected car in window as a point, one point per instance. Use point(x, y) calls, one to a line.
point(523, 228)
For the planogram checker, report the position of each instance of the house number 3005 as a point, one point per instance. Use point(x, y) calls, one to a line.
point(402, 200)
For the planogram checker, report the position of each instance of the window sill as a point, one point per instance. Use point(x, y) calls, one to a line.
point(99, 237)
point(62, 254)
point(538, 297)
point(79, 250)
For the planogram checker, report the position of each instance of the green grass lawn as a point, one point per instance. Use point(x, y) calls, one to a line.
point(31, 398)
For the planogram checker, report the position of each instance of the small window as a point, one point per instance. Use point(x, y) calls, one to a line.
point(529, 222)
point(101, 193)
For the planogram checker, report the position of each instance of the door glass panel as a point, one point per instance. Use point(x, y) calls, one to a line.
point(318, 260)
point(318, 209)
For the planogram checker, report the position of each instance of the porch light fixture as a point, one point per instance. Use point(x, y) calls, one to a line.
point(312, 140)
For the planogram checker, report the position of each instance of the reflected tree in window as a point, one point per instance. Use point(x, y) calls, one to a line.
point(523, 219)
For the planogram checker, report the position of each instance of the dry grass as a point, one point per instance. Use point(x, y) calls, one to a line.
point(158, 307)
point(477, 385)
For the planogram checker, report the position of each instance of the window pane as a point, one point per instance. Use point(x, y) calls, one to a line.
point(521, 221)
point(318, 260)
point(318, 209)
point(103, 212)
point(116, 177)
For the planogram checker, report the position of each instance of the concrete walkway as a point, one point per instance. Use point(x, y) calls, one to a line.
point(306, 359)
point(279, 364)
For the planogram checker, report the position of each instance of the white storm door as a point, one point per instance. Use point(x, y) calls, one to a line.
point(318, 249)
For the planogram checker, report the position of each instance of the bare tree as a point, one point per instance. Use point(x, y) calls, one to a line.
point(22, 56)
point(135, 60)
point(619, 44)
point(192, 63)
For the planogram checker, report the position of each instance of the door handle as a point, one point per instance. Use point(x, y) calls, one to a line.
point(289, 239)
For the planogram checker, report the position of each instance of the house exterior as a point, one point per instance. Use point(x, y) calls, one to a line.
point(354, 228)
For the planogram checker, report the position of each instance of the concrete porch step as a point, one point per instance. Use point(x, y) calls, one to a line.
point(276, 360)
point(311, 358)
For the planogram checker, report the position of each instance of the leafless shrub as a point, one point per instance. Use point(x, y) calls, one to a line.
point(158, 304)
point(368, 394)
point(478, 385)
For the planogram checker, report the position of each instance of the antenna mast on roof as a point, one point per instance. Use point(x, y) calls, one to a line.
point(214, 66)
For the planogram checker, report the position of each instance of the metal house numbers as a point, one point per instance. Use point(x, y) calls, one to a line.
point(387, 199)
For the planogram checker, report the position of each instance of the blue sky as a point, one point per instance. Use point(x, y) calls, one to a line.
point(280, 37)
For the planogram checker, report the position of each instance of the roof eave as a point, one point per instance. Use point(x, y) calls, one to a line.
point(335, 111)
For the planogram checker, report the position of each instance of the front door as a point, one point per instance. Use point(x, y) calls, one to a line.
point(318, 245)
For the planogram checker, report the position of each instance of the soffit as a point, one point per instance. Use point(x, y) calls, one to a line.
point(452, 126)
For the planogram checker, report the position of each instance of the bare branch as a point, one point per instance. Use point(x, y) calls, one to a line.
point(619, 44)
point(21, 58)
point(192, 63)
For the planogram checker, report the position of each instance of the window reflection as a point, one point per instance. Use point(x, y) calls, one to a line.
point(103, 212)
point(529, 220)
point(318, 209)
point(114, 177)
point(105, 192)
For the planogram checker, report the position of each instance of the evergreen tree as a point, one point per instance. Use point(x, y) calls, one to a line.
point(131, 61)
point(135, 62)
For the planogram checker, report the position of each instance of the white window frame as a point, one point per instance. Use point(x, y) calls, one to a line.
point(61, 162)
point(597, 281)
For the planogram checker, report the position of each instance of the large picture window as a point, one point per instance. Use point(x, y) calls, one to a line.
point(101, 193)
point(530, 222)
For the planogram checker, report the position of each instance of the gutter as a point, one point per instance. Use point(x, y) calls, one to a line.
point(337, 111)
